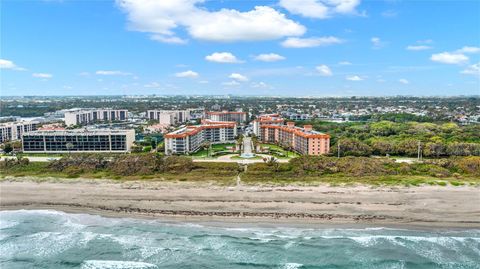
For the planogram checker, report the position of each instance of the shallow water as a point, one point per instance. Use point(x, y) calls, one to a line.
point(52, 239)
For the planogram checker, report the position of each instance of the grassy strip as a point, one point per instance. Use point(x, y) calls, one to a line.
point(220, 173)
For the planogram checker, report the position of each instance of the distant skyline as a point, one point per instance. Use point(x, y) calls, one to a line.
point(267, 48)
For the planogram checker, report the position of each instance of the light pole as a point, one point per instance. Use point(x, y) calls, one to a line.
point(419, 154)
point(338, 149)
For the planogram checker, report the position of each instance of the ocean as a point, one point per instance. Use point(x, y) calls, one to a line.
point(53, 239)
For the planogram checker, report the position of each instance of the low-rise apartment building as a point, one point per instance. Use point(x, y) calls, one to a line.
point(238, 117)
point(87, 116)
point(302, 140)
point(169, 117)
point(78, 140)
point(11, 131)
point(190, 138)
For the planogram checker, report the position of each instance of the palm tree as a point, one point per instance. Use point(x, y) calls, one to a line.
point(240, 142)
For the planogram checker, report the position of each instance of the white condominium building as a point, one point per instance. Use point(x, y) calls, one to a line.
point(239, 117)
point(11, 131)
point(190, 138)
point(87, 116)
point(78, 140)
point(170, 117)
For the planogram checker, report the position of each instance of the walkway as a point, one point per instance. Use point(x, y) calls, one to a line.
point(247, 145)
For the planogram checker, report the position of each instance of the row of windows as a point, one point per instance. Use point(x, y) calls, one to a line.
point(74, 143)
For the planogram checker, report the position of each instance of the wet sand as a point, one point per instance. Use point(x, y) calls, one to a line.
point(425, 206)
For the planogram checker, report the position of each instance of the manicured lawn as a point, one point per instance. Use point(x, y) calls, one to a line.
point(286, 153)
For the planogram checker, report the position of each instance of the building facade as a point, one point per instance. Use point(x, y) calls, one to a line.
point(87, 116)
point(266, 119)
point(169, 117)
point(78, 140)
point(302, 140)
point(190, 138)
point(11, 131)
point(238, 117)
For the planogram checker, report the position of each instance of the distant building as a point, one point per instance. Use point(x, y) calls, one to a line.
point(51, 127)
point(11, 131)
point(169, 117)
point(87, 116)
point(156, 128)
point(239, 117)
point(190, 138)
point(78, 140)
point(302, 140)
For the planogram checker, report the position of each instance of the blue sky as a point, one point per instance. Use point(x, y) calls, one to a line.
point(283, 47)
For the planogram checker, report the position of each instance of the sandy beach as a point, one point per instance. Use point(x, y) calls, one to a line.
point(426, 206)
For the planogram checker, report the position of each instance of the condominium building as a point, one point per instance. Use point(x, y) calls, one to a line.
point(190, 138)
point(87, 116)
point(239, 117)
point(78, 140)
point(302, 140)
point(266, 119)
point(169, 117)
point(11, 131)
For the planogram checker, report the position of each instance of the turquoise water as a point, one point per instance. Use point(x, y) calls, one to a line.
point(52, 239)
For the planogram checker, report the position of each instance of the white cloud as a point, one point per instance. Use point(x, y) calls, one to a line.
point(112, 73)
point(162, 18)
point(344, 63)
point(389, 14)
point(310, 42)
point(418, 47)
point(467, 49)
point(187, 74)
point(269, 57)
point(324, 70)
point(320, 9)
point(261, 85)
point(169, 39)
point(354, 78)
point(231, 83)
point(222, 57)
point(473, 69)
point(403, 81)
point(42, 75)
point(449, 58)
point(203, 82)
point(377, 43)
point(238, 77)
point(6, 64)
point(154, 85)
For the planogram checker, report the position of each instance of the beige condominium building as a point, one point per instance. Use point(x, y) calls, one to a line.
point(78, 140)
point(238, 117)
point(189, 139)
point(300, 139)
point(169, 117)
point(88, 116)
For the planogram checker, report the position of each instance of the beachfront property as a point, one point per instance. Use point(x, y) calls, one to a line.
point(266, 119)
point(169, 117)
point(302, 140)
point(78, 140)
point(87, 116)
point(239, 117)
point(11, 131)
point(189, 139)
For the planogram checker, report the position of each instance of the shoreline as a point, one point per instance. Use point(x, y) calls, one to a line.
point(424, 207)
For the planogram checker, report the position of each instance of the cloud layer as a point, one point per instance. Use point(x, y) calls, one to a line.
point(162, 18)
